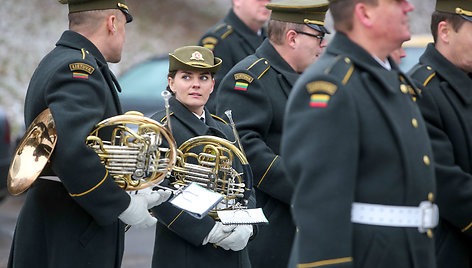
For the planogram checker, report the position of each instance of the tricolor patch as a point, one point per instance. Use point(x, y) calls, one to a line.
point(241, 86)
point(80, 75)
point(319, 100)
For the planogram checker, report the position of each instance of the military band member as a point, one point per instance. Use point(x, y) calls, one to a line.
point(444, 72)
point(256, 90)
point(71, 215)
point(236, 36)
point(358, 150)
point(181, 239)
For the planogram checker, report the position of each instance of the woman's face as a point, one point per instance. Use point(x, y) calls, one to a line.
point(192, 89)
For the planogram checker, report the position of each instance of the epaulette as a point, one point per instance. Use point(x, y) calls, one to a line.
point(342, 67)
point(165, 117)
point(422, 73)
point(219, 119)
point(220, 32)
point(259, 67)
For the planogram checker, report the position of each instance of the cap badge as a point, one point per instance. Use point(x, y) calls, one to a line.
point(125, 7)
point(197, 56)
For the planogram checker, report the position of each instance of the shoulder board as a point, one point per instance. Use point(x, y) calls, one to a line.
point(81, 69)
point(342, 67)
point(223, 30)
point(165, 117)
point(259, 67)
point(219, 118)
point(422, 74)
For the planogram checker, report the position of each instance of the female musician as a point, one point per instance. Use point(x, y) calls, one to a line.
point(181, 239)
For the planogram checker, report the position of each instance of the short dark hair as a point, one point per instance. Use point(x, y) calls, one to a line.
point(342, 12)
point(455, 20)
point(278, 29)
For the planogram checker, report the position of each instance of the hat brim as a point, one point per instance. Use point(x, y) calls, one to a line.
point(128, 16)
point(466, 17)
point(175, 64)
point(319, 28)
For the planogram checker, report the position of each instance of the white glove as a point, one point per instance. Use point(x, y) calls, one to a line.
point(155, 198)
point(218, 233)
point(137, 213)
point(237, 240)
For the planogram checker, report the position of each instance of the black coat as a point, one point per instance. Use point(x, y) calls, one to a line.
point(447, 109)
point(353, 133)
point(258, 113)
point(179, 236)
point(73, 223)
point(230, 40)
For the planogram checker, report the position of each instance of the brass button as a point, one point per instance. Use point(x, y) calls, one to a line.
point(404, 88)
point(414, 122)
point(266, 62)
point(430, 197)
point(429, 68)
point(430, 233)
point(426, 160)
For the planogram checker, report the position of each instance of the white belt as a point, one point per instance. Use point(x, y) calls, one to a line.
point(50, 178)
point(424, 217)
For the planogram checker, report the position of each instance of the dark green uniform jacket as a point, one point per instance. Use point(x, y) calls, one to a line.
point(447, 109)
point(230, 40)
point(73, 223)
point(353, 133)
point(179, 236)
point(256, 90)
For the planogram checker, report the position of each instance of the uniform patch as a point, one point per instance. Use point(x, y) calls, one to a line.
point(210, 42)
point(322, 86)
point(319, 100)
point(81, 67)
point(80, 75)
point(243, 76)
point(241, 86)
point(320, 93)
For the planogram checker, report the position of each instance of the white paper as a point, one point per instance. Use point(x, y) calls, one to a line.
point(196, 200)
point(242, 216)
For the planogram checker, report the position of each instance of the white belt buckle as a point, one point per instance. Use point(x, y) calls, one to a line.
point(429, 216)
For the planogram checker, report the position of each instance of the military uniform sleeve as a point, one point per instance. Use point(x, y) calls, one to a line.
point(320, 147)
point(453, 183)
point(242, 92)
point(77, 101)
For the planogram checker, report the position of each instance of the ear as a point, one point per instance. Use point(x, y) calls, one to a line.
point(170, 80)
point(443, 31)
point(363, 14)
point(213, 86)
point(111, 24)
point(291, 38)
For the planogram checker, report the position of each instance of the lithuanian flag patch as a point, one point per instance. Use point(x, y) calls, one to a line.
point(241, 86)
point(80, 75)
point(319, 100)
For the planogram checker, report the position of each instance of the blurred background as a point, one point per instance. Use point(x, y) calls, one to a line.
point(30, 28)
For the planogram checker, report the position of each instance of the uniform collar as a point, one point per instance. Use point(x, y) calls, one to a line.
point(242, 29)
point(342, 45)
point(267, 51)
point(77, 41)
point(454, 76)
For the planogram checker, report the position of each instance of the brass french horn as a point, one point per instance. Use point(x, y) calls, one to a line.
point(32, 154)
point(140, 153)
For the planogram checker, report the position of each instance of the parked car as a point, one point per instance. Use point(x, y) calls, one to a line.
point(5, 152)
point(143, 84)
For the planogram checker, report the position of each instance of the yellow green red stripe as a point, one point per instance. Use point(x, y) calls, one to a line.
point(319, 100)
point(80, 75)
point(241, 86)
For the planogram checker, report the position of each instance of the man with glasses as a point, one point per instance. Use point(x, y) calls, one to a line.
point(256, 90)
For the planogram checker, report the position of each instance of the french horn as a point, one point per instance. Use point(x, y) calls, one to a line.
point(140, 153)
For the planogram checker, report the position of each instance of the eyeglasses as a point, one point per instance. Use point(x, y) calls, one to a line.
point(321, 37)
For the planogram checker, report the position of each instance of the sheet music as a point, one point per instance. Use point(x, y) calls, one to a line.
point(196, 200)
point(242, 216)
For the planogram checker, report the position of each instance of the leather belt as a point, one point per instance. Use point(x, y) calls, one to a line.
point(51, 178)
point(424, 217)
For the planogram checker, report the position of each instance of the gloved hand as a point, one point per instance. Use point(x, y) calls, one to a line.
point(237, 240)
point(137, 213)
point(218, 233)
point(155, 198)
